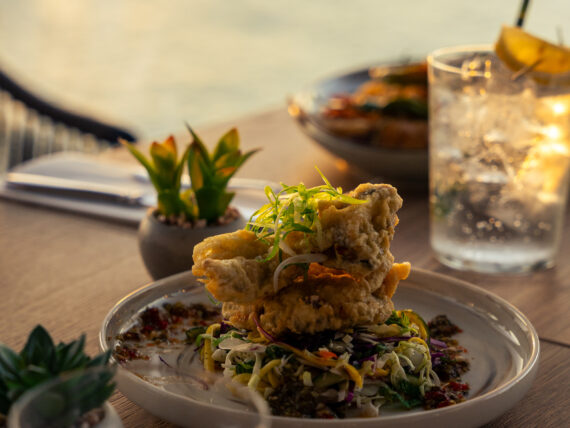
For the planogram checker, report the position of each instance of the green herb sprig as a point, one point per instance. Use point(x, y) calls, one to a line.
point(41, 360)
point(293, 209)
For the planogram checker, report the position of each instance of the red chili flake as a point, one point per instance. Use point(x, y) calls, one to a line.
point(435, 394)
point(131, 335)
point(456, 386)
point(152, 321)
point(125, 353)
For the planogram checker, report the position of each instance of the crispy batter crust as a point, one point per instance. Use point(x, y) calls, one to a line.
point(325, 299)
point(355, 238)
point(352, 286)
point(358, 237)
point(233, 268)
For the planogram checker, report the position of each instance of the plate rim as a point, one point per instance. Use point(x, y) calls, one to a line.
point(527, 372)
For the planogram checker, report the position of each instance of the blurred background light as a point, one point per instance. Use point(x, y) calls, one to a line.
point(154, 65)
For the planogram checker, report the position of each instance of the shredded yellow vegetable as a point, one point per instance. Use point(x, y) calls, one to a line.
point(354, 375)
point(242, 378)
point(419, 340)
point(268, 367)
point(256, 338)
point(273, 380)
point(253, 381)
point(207, 348)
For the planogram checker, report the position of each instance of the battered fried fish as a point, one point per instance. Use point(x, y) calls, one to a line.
point(324, 299)
point(354, 238)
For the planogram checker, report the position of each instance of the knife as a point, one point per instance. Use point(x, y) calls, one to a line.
point(235, 183)
point(65, 187)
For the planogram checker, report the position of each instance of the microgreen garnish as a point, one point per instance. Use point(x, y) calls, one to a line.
point(293, 209)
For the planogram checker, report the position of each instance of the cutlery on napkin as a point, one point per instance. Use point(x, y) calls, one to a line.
point(90, 185)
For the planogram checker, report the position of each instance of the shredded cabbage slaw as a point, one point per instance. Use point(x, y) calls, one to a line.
point(363, 368)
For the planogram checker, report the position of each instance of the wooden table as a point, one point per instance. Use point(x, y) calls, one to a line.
point(66, 271)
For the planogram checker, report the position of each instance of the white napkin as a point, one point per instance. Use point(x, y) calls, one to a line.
point(129, 177)
point(87, 168)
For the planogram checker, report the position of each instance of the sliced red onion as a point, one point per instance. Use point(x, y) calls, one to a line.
point(162, 360)
point(262, 330)
point(300, 258)
point(370, 358)
point(394, 338)
point(438, 343)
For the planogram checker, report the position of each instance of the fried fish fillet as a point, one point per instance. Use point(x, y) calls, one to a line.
point(324, 299)
point(355, 238)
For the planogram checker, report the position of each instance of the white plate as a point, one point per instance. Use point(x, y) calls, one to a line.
point(503, 348)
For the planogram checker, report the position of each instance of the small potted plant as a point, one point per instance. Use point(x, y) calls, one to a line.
point(185, 216)
point(52, 385)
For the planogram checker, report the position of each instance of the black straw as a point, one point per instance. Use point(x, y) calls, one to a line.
point(522, 13)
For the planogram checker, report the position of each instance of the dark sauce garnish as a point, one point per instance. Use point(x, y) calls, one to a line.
point(160, 324)
point(449, 363)
point(156, 325)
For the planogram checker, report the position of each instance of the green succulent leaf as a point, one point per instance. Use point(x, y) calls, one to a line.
point(191, 205)
point(40, 360)
point(10, 363)
point(39, 347)
point(163, 156)
point(70, 356)
point(29, 377)
point(227, 160)
point(146, 163)
point(199, 146)
point(212, 202)
point(100, 360)
point(169, 202)
point(228, 144)
point(179, 170)
point(211, 173)
point(195, 158)
point(165, 171)
point(4, 401)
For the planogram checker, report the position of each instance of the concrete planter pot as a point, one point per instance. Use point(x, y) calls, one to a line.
point(28, 415)
point(111, 419)
point(167, 249)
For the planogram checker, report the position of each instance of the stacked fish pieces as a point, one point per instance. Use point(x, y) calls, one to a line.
point(350, 279)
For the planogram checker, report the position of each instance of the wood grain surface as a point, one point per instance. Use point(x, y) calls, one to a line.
point(66, 271)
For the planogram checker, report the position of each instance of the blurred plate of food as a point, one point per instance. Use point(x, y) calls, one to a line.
point(375, 118)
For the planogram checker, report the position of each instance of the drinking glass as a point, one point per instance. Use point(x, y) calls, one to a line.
point(69, 400)
point(498, 161)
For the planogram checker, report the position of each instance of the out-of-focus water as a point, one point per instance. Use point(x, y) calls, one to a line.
point(153, 65)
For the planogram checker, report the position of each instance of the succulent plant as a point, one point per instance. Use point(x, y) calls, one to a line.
point(211, 172)
point(165, 172)
point(41, 360)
